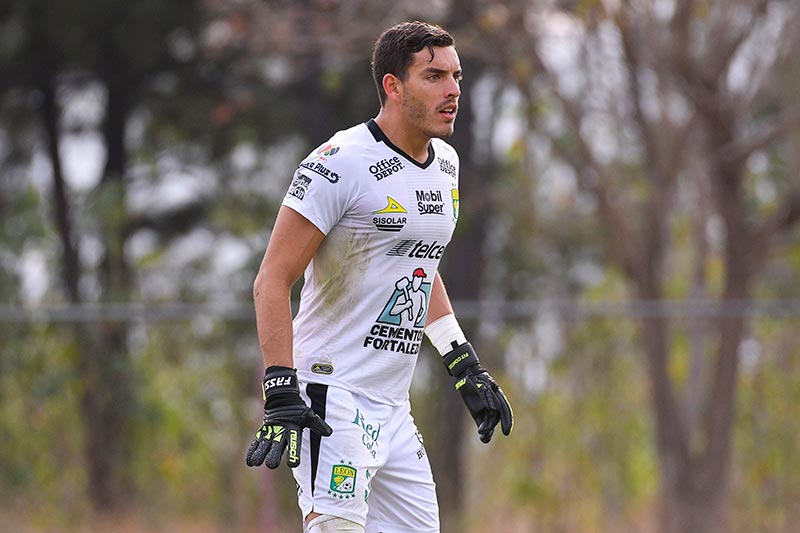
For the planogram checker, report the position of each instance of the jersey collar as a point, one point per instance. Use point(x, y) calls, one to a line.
point(379, 136)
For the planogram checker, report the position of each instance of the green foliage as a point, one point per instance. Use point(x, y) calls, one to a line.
point(767, 481)
point(581, 451)
point(40, 428)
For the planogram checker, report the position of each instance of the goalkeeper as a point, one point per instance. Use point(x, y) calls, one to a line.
point(365, 220)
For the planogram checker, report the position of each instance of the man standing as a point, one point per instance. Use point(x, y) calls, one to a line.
point(376, 202)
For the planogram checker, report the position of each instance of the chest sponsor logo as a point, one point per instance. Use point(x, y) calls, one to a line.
point(299, 185)
point(386, 167)
point(418, 249)
point(430, 202)
point(447, 167)
point(318, 168)
point(399, 326)
point(393, 217)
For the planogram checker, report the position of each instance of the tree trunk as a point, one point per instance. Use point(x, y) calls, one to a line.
point(108, 398)
point(690, 507)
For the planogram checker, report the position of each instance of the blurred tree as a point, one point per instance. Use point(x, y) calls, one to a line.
point(58, 49)
point(650, 108)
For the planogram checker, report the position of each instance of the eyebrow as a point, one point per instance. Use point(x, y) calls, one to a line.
point(434, 70)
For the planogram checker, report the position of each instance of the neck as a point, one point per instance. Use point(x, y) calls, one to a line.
point(404, 135)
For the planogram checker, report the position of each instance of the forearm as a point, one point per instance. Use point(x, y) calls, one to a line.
point(274, 320)
point(439, 305)
point(485, 400)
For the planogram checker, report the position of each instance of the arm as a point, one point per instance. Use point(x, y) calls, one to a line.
point(441, 326)
point(485, 400)
point(439, 305)
point(293, 243)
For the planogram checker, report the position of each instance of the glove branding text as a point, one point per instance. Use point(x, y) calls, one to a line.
point(293, 457)
point(458, 360)
point(282, 381)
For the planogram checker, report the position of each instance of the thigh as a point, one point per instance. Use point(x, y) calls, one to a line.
point(402, 496)
point(335, 472)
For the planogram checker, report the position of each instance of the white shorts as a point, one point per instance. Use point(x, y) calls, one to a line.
point(372, 470)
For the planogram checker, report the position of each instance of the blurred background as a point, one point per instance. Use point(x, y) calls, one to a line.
point(626, 260)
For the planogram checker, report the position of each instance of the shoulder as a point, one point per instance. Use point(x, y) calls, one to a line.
point(346, 144)
point(444, 150)
point(341, 155)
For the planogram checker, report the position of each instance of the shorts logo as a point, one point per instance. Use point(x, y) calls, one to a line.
point(343, 481)
point(390, 218)
point(299, 186)
point(371, 433)
point(454, 197)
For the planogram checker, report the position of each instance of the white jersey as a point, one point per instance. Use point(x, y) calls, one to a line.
point(387, 220)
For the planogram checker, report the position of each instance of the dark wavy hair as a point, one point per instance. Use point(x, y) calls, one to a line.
point(395, 47)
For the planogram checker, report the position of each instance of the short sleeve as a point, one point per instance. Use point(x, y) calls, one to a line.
point(322, 188)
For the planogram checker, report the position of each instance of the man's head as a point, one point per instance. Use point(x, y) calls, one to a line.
point(395, 48)
point(418, 75)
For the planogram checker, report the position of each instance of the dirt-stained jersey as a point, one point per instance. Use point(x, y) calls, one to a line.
point(387, 220)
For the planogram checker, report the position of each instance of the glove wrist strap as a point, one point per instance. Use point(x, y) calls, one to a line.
point(279, 382)
point(461, 361)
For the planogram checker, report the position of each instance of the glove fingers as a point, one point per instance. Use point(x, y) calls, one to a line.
point(506, 413)
point(277, 442)
point(473, 399)
point(486, 428)
point(256, 452)
point(293, 434)
point(317, 424)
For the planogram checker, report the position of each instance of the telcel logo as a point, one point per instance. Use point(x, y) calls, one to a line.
point(417, 249)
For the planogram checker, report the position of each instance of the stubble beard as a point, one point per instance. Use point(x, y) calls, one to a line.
point(420, 117)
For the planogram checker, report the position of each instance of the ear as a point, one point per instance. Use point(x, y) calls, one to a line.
point(393, 86)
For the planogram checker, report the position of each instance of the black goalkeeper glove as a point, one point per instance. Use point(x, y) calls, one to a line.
point(486, 401)
point(285, 416)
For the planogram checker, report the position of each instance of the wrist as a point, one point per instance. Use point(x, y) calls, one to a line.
point(462, 360)
point(445, 334)
point(279, 383)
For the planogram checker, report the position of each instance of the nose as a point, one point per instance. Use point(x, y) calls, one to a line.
point(453, 88)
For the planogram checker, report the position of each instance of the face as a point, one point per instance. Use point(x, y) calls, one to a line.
point(431, 90)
